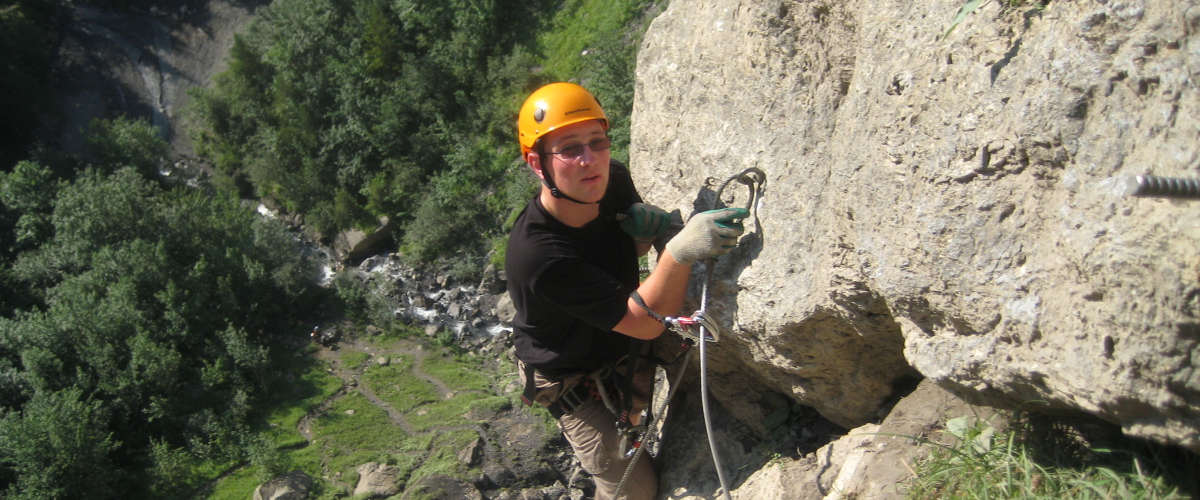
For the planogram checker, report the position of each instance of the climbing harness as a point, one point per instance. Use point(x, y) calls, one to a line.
point(700, 327)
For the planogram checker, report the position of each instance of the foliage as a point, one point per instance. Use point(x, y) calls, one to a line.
point(59, 448)
point(139, 348)
point(1029, 461)
point(125, 142)
point(358, 300)
point(962, 14)
point(782, 417)
point(973, 5)
point(351, 110)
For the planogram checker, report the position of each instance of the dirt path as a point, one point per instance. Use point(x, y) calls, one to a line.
point(352, 381)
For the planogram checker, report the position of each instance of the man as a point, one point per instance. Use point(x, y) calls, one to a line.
point(572, 265)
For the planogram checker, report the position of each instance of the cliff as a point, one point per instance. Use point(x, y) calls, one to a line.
point(952, 209)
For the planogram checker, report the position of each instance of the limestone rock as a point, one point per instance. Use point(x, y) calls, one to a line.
point(353, 244)
point(471, 453)
point(294, 485)
point(952, 208)
point(505, 310)
point(376, 480)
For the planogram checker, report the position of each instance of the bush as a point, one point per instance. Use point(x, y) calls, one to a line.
point(149, 331)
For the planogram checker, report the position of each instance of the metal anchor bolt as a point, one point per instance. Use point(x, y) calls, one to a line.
point(1163, 187)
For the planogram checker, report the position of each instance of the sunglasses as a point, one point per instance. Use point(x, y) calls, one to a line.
point(573, 151)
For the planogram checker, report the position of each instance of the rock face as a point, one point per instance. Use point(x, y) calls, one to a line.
point(947, 208)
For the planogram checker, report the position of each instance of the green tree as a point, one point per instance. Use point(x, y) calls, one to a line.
point(58, 447)
point(157, 308)
point(405, 108)
point(126, 142)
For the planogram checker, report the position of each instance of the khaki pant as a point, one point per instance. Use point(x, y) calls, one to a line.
point(592, 431)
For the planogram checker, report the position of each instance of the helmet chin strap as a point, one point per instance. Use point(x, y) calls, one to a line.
point(549, 182)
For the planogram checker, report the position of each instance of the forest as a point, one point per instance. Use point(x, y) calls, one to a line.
point(348, 111)
point(141, 324)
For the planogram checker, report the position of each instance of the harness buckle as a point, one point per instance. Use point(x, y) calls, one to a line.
point(571, 399)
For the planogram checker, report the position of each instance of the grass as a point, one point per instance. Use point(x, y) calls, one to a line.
point(398, 387)
point(352, 359)
point(443, 456)
point(578, 25)
point(1033, 458)
point(235, 485)
point(449, 369)
point(450, 413)
point(348, 430)
point(299, 391)
point(342, 441)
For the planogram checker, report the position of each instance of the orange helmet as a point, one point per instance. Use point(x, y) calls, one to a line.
point(553, 106)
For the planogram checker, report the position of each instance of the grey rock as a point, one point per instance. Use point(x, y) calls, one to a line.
point(294, 485)
point(353, 244)
point(470, 455)
point(376, 480)
point(948, 208)
point(505, 310)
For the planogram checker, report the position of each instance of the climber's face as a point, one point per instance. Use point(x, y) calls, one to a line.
point(577, 157)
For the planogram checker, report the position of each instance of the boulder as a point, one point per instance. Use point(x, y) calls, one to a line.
point(492, 281)
point(432, 330)
point(505, 310)
point(294, 485)
point(353, 245)
point(471, 454)
point(952, 208)
point(376, 480)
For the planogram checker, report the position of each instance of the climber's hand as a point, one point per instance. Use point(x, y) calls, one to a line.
point(645, 222)
point(708, 235)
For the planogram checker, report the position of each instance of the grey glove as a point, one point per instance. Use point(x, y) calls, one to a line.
point(645, 222)
point(707, 235)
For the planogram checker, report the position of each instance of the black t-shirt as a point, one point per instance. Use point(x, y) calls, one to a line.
point(570, 285)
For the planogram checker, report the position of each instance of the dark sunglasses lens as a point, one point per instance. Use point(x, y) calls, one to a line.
point(572, 151)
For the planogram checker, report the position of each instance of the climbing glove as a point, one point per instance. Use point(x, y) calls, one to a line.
point(707, 235)
point(645, 222)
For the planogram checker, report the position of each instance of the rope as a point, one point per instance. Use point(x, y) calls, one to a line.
point(749, 177)
point(712, 444)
